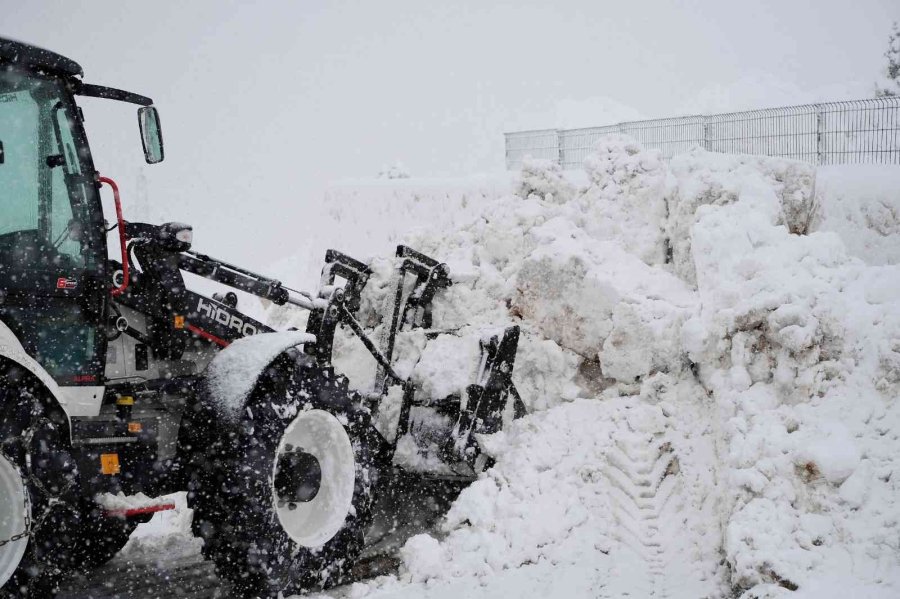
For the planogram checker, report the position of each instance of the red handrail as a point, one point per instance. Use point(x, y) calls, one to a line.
point(121, 223)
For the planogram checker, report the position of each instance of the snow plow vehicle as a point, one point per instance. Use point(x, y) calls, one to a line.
point(115, 377)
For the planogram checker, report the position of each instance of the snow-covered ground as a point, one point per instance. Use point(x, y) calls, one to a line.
point(710, 354)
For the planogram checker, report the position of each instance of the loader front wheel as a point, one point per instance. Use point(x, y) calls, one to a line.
point(35, 466)
point(286, 502)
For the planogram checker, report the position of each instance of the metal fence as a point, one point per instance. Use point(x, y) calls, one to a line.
point(858, 131)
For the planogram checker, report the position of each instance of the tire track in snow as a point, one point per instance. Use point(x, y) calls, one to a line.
point(642, 474)
point(656, 516)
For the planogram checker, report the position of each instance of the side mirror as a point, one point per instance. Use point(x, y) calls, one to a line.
point(151, 134)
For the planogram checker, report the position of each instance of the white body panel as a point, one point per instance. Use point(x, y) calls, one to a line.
point(83, 401)
point(75, 401)
point(120, 356)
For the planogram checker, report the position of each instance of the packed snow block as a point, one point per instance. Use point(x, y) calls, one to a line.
point(601, 302)
point(832, 454)
point(544, 372)
point(544, 179)
point(706, 178)
point(861, 203)
point(626, 355)
point(627, 196)
point(568, 304)
point(446, 366)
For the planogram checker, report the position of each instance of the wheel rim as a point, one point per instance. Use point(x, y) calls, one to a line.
point(12, 518)
point(315, 453)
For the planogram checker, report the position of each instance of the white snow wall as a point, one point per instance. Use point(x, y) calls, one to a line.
point(795, 340)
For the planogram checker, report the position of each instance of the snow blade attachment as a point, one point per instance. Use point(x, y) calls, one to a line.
point(486, 400)
point(342, 302)
point(484, 406)
point(418, 279)
point(430, 276)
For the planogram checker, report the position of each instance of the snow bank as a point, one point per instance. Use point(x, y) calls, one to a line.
point(627, 198)
point(796, 342)
point(710, 179)
point(861, 204)
point(742, 360)
point(368, 218)
point(583, 502)
point(545, 180)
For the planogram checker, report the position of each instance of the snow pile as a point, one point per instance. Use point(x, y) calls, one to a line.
point(709, 179)
point(545, 180)
point(797, 343)
point(563, 273)
point(567, 492)
point(544, 501)
point(627, 198)
point(861, 203)
point(743, 389)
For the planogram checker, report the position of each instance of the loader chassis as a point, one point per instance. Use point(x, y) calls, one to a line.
point(106, 372)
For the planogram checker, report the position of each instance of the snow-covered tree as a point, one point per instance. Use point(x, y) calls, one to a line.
point(892, 71)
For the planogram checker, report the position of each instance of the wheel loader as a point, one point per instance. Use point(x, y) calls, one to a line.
point(118, 378)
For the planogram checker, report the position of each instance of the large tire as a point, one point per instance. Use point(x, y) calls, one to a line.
point(239, 475)
point(34, 434)
point(69, 535)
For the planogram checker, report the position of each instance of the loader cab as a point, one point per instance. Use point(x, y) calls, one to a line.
point(54, 272)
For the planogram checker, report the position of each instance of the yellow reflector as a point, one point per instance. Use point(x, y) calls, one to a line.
point(179, 322)
point(135, 427)
point(125, 400)
point(109, 463)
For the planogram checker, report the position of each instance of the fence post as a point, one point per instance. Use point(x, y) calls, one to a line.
point(705, 122)
point(560, 153)
point(820, 134)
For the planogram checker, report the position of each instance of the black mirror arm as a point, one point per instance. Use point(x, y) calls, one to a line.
point(111, 93)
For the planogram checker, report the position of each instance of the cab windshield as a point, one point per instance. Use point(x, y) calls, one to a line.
point(44, 193)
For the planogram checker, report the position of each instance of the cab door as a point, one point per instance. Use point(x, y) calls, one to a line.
point(52, 241)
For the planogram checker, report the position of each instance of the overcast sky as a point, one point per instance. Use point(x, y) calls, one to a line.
point(264, 103)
